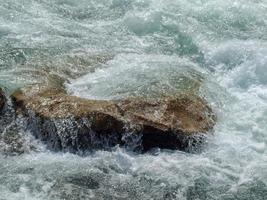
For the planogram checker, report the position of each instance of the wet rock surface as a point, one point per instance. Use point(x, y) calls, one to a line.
point(75, 124)
point(2, 100)
point(7, 114)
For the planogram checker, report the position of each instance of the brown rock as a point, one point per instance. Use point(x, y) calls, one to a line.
point(74, 124)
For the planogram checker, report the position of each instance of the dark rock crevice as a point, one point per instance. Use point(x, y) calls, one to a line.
point(2, 100)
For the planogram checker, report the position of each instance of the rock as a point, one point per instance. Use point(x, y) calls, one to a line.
point(83, 181)
point(2, 100)
point(75, 124)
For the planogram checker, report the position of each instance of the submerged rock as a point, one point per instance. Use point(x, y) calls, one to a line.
point(13, 142)
point(2, 100)
point(75, 124)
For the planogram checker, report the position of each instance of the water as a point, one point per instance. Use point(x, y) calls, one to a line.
point(112, 49)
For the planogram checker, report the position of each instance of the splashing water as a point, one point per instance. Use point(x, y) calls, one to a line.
point(109, 49)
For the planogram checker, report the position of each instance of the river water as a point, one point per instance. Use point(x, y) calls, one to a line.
point(109, 49)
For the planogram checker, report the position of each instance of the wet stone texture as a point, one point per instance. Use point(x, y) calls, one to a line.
point(2, 100)
point(69, 123)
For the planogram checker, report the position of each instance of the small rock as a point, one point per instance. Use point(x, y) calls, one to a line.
point(2, 100)
point(83, 181)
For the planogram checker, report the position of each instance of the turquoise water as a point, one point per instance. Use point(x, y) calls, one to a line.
point(109, 49)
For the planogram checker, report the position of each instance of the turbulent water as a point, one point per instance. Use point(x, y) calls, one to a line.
point(109, 49)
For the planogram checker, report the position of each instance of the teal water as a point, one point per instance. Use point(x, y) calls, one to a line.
point(109, 49)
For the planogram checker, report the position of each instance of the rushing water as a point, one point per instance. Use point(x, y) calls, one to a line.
point(106, 49)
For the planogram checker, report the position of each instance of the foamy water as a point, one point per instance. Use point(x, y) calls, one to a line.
point(113, 49)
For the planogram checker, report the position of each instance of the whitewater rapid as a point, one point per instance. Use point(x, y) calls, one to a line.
point(109, 49)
